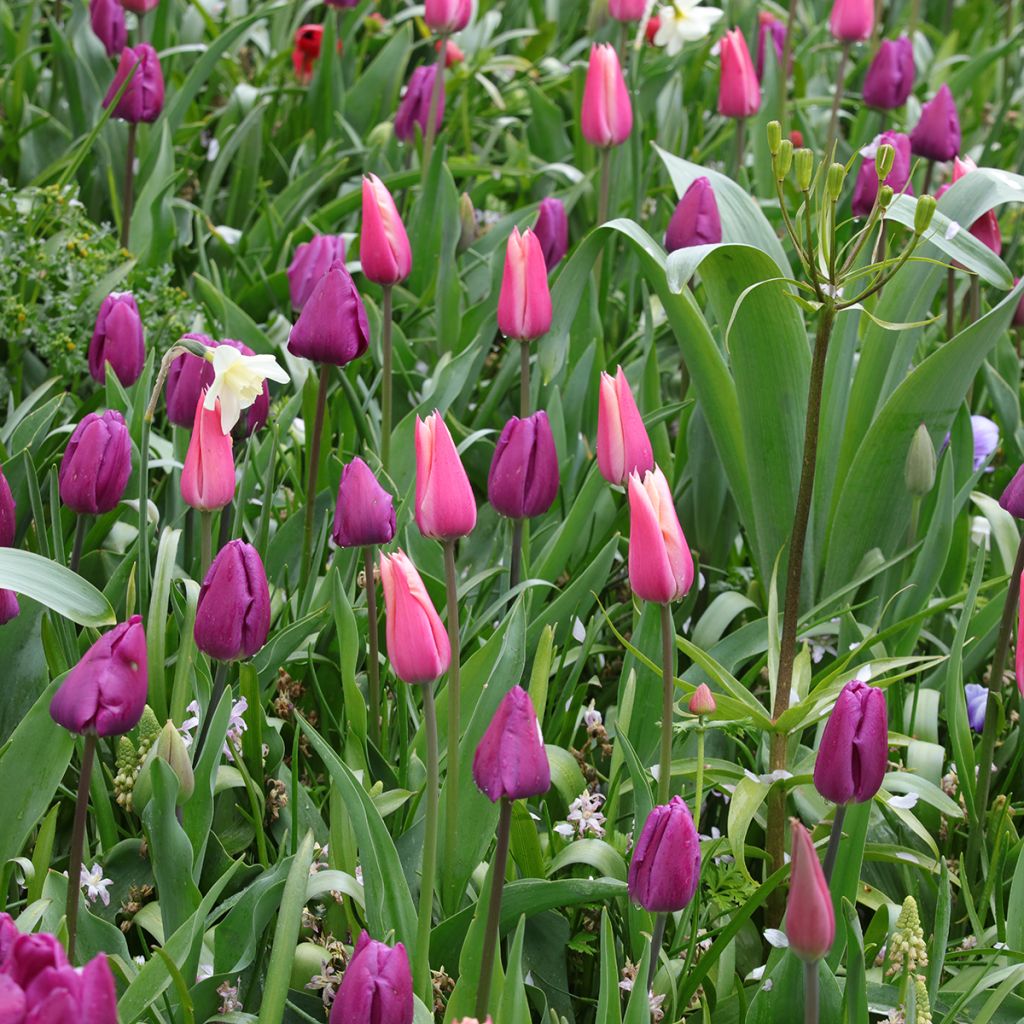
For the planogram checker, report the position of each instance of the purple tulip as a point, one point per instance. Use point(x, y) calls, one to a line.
point(977, 704)
point(118, 339)
point(311, 261)
point(332, 326)
point(523, 481)
point(769, 28)
point(414, 108)
point(665, 868)
point(695, 220)
point(854, 747)
point(8, 933)
point(7, 516)
point(143, 99)
point(365, 511)
point(106, 691)
point(107, 20)
point(12, 1001)
point(937, 133)
point(1012, 498)
point(890, 77)
point(510, 760)
point(31, 954)
point(9, 607)
point(96, 464)
point(60, 994)
point(233, 614)
point(552, 231)
point(866, 187)
point(985, 434)
point(376, 987)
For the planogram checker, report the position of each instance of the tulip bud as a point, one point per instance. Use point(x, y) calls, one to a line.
point(447, 16)
point(445, 507)
point(414, 108)
point(96, 464)
point(702, 702)
point(187, 376)
point(623, 446)
point(803, 160)
point(852, 21)
point(510, 760)
point(108, 24)
point(311, 261)
point(774, 137)
point(854, 746)
point(834, 181)
point(208, 477)
point(376, 985)
point(9, 607)
point(384, 251)
point(936, 136)
point(169, 748)
point(606, 117)
point(143, 99)
point(810, 921)
point(523, 481)
point(30, 954)
point(986, 227)
point(770, 31)
point(784, 161)
point(696, 220)
point(739, 91)
point(890, 78)
point(665, 868)
point(117, 339)
point(105, 692)
point(627, 10)
point(1018, 662)
point(919, 469)
point(416, 639)
point(332, 327)
point(1012, 498)
point(364, 513)
point(524, 303)
point(233, 613)
point(8, 520)
point(660, 564)
point(12, 1000)
point(552, 231)
point(468, 230)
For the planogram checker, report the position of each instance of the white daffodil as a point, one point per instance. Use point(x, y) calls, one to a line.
point(684, 21)
point(238, 382)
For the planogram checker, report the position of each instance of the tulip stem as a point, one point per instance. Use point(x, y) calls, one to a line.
point(142, 582)
point(833, 842)
point(811, 992)
point(698, 795)
point(524, 379)
point(657, 939)
point(483, 992)
point(602, 208)
point(451, 834)
point(385, 386)
point(741, 132)
point(220, 679)
point(205, 542)
point(435, 101)
point(516, 559)
point(373, 662)
point(424, 985)
point(129, 185)
point(950, 303)
point(929, 168)
point(833, 125)
point(78, 840)
point(76, 549)
point(668, 666)
point(787, 49)
point(313, 470)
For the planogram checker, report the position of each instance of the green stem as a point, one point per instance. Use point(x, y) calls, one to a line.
point(787, 50)
point(220, 680)
point(950, 303)
point(605, 185)
point(129, 185)
point(811, 992)
point(657, 939)
point(524, 379)
point(373, 661)
point(833, 125)
point(741, 133)
point(668, 665)
point(385, 398)
point(142, 582)
point(76, 550)
point(78, 841)
point(435, 100)
point(313, 470)
point(833, 841)
point(483, 992)
point(516, 559)
point(451, 835)
point(205, 542)
point(424, 985)
point(698, 795)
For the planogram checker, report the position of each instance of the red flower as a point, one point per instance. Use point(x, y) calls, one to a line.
point(308, 39)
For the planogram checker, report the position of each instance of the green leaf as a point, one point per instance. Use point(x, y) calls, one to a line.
point(156, 634)
point(855, 1000)
point(594, 853)
point(745, 803)
point(609, 1007)
point(54, 586)
point(514, 1008)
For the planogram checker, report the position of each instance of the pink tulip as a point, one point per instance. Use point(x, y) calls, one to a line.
point(416, 638)
point(447, 16)
point(986, 228)
point(739, 92)
point(1019, 657)
point(384, 250)
point(810, 922)
point(702, 702)
point(660, 564)
point(627, 10)
point(208, 479)
point(524, 305)
point(139, 6)
point(607, 116)
point(623, 446)
point(445, 508)
point(852, 21)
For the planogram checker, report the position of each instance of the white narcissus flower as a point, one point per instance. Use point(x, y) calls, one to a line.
point(238, 382)
point(684, 21)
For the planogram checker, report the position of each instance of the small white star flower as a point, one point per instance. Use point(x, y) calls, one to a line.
point(95, 885)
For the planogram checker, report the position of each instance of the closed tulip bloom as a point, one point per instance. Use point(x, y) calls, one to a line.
point(143, 99)
point(524, 304)
point(311, 261)
point(606, 118)
point(447, 16)
point(627, 10)
point(810, 922)
point(12, 1001)
point(365, 512)
point(332, 327)
point(29, 955)
point(9, 607)
point(384, 250)
point(623, 446)
point(770, 32)
point(118, 339)
point(852, 21)
point(865, 188)
point(854, 746)
point(414, 108)
point(552, 231)
point(523, 481)
point(108, 24)
point(8, 520)
point(96, 464)
point(510, 760)
point(59, 994)
point(696, 220)
point(936, 136)
point(416, 638)
point(445, 507)
point(208, 478)
point(1018, 313)
point(1012, 498)
point(306, 51)
point(106, 691)
point(703, 701)
point(140, 6)
point(891, 76)
point(660, 564)
point(233, 613)
point(665, 868)
point(376, 987)
point(986, 228)
point(1019, 658)
point(739, 91)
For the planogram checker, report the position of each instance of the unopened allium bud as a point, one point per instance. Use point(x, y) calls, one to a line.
point(923, 214)
point(919, 469)
point(467, 222)
point(803, 159)
point(703, 701)
point(774, 137)
point(885, 194)
point(784, 159)
point(836, 177)
point(884, 159)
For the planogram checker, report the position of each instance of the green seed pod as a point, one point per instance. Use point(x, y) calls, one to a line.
point(885, 196)
point(784, 159)
point(774, 137)
point(467, 222)
point(836, 177)
point(919, 469)
point(803, 161)
point(923, 214)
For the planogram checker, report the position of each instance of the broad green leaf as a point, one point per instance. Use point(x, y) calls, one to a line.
point(54, 586)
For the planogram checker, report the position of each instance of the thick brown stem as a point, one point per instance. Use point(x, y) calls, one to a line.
point(483, 992)
point(313, 470)
point(78, 841)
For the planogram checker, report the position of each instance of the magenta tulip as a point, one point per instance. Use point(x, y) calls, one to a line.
point(332, 327)
point(660, 564)
point(510, 760)
point(12, 1001)
point(365, 511)
point(665, 867)
point(445, 507)
point(986, 228)
point(865, 189)
point(1012, 498)
point(96, 464)
point(140, 6)
point(208, 477)
point(59, 994)
point(523, 481)
point(143, 99)
point(29, 954)
point(936, 136)
point(627, 10)
point(233, 613)
point(8, 520)
point(524, 304)
point(623, 446)
point(447, 16)
point(770, 32)
point(696, 220)
point(118, 339)
point(810, 921)
point(9, 607)
point(107, 20)
point(417, 641)
point(552, 231)
point(606, 118)
point(890, 77)
point(414, 108)
point(739, 92)
point(384, 251)
point(852, 21)
point(311, 261)
point(854, 746)
point(376, 987)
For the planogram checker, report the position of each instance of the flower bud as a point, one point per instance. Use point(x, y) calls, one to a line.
point(414, 108)
point(169, 748)
point(208, 477)
point(665, 867)
point(739, 91)
point(784, 160)
point(417, 642)
point(660, 564)
point(552, 231)
point(702, 702)
point(898, 178)
point(8, 520)
point(854, 746)
point(384, 251)
point(524, 303)
point(985, 435)
point(810, 921)
point(96, 464)
point(834, 181)
point(774, 137)
point(936, 136)
point(233, 613)
point(623, 446)
point(884, 159)
point(606, 117)
point(1012, 498)
point(30, 954)
point(105, 692)
point(311, 261)
point(117, 339)
point(770, 32)
point(447, 16)
point(919, 469)
point(143, 99)
point(803, 160)
point(510, 760)
point(885, 195)
point(445, 507)
point(108, 24)
point(627, 10)
point(376, 985)
point(467, 222)
point(976, 696)
point(365, 512)
point(923, 213)
point(523, 481)
point(9, 607)
point(890, 77)
point(852, 21)
point(696, 220)
point(332, 327)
